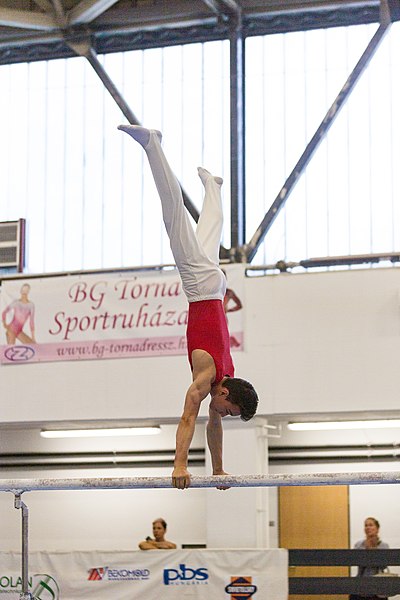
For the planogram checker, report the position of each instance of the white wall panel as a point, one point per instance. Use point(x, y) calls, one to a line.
point(318, 342)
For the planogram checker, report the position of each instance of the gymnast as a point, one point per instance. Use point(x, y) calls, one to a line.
point(196, 256)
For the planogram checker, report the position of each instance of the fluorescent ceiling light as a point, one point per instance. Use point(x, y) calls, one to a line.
point(115, 432)
point(333, 425)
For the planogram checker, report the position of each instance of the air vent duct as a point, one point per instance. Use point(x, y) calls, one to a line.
point(12, 245)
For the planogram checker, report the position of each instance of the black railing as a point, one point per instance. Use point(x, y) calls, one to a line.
point(369, 586)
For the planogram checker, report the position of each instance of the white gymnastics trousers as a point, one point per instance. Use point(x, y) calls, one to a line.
point(196, 254)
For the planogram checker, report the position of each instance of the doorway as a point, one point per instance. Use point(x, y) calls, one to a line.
point(314, 517)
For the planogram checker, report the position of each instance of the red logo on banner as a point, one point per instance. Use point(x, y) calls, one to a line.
point(96, 574)
point(240, 588)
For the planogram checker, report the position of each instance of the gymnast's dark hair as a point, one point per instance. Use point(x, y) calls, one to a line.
point(243, 394)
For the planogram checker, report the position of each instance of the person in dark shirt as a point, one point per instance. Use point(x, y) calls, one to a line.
point(371, 541)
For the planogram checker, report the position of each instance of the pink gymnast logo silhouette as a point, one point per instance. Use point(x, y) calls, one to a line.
point(16, 315)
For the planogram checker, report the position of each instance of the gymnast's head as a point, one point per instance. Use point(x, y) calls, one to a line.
point(234, 397)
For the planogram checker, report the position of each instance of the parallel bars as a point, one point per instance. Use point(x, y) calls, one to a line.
point(18, 486)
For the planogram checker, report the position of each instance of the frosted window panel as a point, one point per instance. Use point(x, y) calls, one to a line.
point(215, 105)
point(55, 166)
point(275, 242)
point(296, 222)
point(264, 127)
point(17, 132)
point(337, 174)
point(74, 164)
point(152, 118)
point(173, 86)
point(339, 61)
point(315, 81)
point(132, 86)
point(215, 109)
point(381, 150)
point(112, 157)
point(173, 83)
point(192, 115)
point(294, 100)
point(317, 205)
point(255, 135)
point(5, 127)
point(152, 89)
point(36, 144)
point(395, 140)
point(112, 192)
point(131, 190)
point(93, 147)
point(360, 168)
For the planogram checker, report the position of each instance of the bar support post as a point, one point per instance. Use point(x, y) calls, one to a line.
point(19, 504)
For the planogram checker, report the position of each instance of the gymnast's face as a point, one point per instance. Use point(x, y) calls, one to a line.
point(221, 404)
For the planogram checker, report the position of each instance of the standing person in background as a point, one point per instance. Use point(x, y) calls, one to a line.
point(232, 303)
point(371, 541)
point(159, 542)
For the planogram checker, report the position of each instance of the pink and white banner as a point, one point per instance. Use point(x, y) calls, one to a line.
point(168, 574)
point(103, 316)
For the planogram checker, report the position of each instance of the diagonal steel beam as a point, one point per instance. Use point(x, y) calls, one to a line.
point(233, 5)
point(44, 4)
point(83, 47)
point(59, 13)
point(88, 10)
point(279, 202)
point(216, 7)
point(25, 19)
point(212, 5)
point(389, 11)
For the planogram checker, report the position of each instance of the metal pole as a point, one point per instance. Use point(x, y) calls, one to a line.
point(25, 594)
point(237, 86)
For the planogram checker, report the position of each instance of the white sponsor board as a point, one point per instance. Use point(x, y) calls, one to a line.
point(199, 574)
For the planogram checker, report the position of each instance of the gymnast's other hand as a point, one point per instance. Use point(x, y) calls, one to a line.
point(221, 487)
point(180, 478)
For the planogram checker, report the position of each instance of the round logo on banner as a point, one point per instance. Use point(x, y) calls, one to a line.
point(240, 588)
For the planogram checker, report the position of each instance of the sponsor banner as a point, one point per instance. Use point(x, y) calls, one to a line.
point(102, 316)
point(171, 575)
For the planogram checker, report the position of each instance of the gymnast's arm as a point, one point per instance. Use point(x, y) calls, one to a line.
point(214, 440)
point(198, 390)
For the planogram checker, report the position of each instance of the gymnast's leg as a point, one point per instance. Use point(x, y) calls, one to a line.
point(194, 266)
point(209, 227)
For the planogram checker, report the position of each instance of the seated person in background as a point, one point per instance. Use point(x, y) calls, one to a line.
point(159, 542)
point(372, 541)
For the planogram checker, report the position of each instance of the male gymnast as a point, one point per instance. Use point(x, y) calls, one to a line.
point(196, 256)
